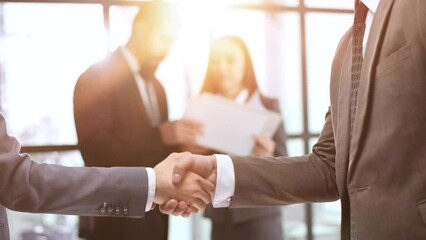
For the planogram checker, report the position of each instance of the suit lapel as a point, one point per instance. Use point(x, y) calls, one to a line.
point(343, 115)
point(129, 89)
point(373, 46)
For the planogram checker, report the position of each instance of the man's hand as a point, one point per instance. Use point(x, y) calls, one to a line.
point(184, 131)
point(191, 189)
point(264, 147)
point(185, 163)
point(204, 166)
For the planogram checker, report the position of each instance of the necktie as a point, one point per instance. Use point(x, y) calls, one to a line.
point(358, 30)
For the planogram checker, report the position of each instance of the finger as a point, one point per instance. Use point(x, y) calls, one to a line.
point(183, 205)
point(198, 204)
point(187, 213)
point(180, 209)
point(208, 187)
point(264, 146)
point(191, 210)
point(195, 190)
point(189, 136)
point(191, 123)
point(260, 141)
point(184, 164)
point(153, 206)
point(169, 207)
point(202, 165)
point(257, 150)
point(267, 143)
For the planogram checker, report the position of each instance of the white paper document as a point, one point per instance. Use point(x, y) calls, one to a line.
point(230, 127)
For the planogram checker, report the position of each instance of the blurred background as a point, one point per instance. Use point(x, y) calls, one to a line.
point(46, 45)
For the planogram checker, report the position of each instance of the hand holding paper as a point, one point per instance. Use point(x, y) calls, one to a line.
point(230, 127)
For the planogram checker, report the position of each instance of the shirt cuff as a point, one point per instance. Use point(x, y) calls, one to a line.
point(225, 182)
point(151, 188)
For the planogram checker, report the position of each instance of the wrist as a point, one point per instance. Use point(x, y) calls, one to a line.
point(213, 176)
point(157, 193)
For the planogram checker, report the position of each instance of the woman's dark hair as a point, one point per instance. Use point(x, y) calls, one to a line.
point(211, 85)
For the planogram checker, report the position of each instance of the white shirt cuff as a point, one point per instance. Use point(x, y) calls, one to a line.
point(225, 182)
point(151, 188)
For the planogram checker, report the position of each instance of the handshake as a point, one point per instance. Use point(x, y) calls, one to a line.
point(185, 183)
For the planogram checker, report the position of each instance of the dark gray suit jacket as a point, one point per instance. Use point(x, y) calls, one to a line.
point(46, 188)
point(380, 176)
point(238, 215)
point(113, 129)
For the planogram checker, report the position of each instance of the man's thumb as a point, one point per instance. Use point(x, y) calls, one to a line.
point(180, 169)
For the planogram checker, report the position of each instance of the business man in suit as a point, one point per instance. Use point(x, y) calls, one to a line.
point(372, 150)
point(121, 115)
point(28, 186)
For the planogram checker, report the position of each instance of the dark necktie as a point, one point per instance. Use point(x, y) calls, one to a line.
point(358, 30)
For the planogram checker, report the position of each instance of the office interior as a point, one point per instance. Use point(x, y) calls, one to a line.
point(45, 45)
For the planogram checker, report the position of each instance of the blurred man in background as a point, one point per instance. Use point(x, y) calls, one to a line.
point(121, 115)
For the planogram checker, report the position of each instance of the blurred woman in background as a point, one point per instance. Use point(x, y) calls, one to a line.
point(230, 74)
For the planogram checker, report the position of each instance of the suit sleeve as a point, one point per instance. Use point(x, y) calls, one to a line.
point(286, 180)
point(28, 186)
point(100, 142)
point(421, 20)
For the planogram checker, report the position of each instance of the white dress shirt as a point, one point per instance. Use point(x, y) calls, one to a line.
point(372, 7)
point(225, 182)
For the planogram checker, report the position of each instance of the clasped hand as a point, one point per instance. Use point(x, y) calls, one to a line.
point(185, 183)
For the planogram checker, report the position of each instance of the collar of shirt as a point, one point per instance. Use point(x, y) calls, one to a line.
point(130, 59)
point(371, 4)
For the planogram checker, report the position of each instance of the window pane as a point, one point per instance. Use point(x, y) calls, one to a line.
point(326, 220)
point(120, 26)
point(293, 216)
point(43, 49)
point(345, 4)
point(294, 223)
point(321, 44)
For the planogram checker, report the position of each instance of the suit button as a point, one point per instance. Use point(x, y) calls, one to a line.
point(102, 210)
point(125, 211)
point(117, 211)
point(110, 210)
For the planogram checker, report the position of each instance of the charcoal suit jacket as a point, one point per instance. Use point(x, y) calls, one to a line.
point(28, 186)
